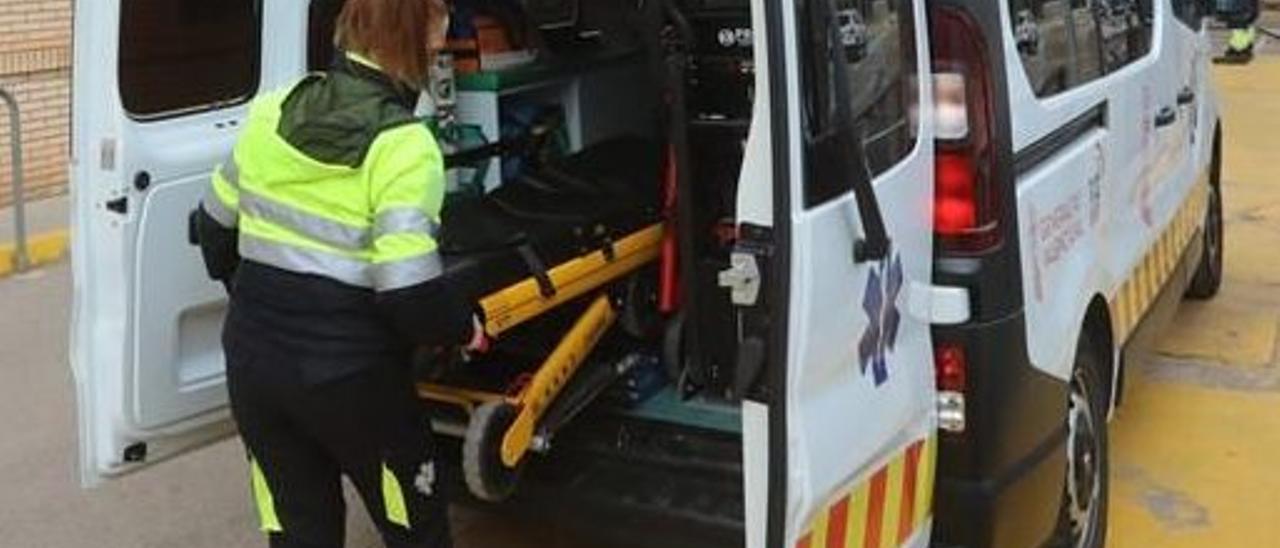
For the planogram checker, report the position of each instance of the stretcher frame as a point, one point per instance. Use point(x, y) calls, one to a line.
point(527, 300)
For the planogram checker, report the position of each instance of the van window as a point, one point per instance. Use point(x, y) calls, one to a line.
point(1087, 38)
point(876, 42)
point(1126, 31)
point(1068, 43)
point(185, 55)
point(321, 23)
point(1042, 31)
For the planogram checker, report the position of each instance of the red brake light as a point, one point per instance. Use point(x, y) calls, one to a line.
point(955, 207)
point(965, 205)
point(951, 367)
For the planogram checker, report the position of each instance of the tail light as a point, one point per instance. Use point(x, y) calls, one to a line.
point(966, 208)
point(951, 367)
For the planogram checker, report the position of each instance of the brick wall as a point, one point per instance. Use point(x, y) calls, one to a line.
point(35, 61)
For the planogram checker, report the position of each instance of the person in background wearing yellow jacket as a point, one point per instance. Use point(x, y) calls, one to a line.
point(1240, 17)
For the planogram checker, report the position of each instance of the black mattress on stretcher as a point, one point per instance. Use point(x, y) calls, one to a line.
point(568, 208)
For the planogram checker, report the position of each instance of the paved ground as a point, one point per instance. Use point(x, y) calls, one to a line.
point(198, 501)
point(42, 216)
point(1193, 449)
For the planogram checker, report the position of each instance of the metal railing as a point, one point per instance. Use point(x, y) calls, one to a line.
point(22, 258)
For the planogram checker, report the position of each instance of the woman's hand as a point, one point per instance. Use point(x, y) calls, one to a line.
point(480, 342)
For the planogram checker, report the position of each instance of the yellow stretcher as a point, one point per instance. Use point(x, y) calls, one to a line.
point(503, 428)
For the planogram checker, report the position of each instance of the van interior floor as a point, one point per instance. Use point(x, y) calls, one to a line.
point(667, 464)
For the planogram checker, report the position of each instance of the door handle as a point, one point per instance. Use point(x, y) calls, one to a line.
point(1166, 117)
point(1186, 96)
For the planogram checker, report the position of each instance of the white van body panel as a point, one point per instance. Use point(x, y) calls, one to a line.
point(755, 472)
point(146, 333)
point(1089, 214)
point(755, 206)
point(755, 196)
point(845, 429)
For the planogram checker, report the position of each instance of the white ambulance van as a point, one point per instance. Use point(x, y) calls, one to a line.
point(818, 431)
point(1079, 165)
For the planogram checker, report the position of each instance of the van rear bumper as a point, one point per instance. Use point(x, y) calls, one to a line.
point(1000, 483)
point(1019, 508)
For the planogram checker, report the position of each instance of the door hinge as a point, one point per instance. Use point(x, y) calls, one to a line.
point(118, 205)
point(742, 278)
point(135, 453)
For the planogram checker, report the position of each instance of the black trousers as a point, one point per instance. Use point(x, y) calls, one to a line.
point(303, 437)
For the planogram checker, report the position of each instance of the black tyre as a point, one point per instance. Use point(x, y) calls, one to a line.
point(487, 477)
point(1082, 520)
point(1208, 277)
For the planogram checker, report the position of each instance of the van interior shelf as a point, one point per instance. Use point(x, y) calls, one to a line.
point(544, 72)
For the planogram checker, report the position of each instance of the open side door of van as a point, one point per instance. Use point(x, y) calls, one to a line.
point(839, 443)
point(159, 90)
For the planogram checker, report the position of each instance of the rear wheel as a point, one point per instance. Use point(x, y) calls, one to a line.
point(487, 477)
point(1082, 520)
point(1208, 277)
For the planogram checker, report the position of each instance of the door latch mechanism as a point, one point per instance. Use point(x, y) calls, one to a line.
point(742, 279)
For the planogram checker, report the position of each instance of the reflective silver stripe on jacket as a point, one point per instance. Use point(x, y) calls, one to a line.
point(381, 277)
point(323, 230)
point(306, 261)
point(407, 272)
point(401, 220)
point(213, 205)
point(231, 170)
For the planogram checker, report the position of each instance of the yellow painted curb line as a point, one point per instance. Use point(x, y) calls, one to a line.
point(42, 249)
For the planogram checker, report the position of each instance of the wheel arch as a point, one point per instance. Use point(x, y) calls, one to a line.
point(1098, 338)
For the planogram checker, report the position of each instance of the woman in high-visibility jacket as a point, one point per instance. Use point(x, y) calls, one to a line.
point(322, 223)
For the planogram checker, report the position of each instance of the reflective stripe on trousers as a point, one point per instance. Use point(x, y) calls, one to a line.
point(393, 498)
point(264, 500)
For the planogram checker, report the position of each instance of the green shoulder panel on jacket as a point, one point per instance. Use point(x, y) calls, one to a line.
point(335, 118)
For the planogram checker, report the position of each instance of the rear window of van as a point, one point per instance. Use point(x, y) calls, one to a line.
point(178, 56)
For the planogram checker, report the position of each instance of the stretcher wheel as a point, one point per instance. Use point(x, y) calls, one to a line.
point(487, 477)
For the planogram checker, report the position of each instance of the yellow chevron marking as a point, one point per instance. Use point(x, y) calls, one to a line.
point(819, 529)
point(892, 503)
point(1138, 293)
point(856, 533)
point(924, 483)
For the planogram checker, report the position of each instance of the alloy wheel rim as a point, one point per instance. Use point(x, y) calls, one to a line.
point(1084, 482)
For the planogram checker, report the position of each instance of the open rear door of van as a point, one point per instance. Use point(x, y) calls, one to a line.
point(839, 428)
point(160, 88)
